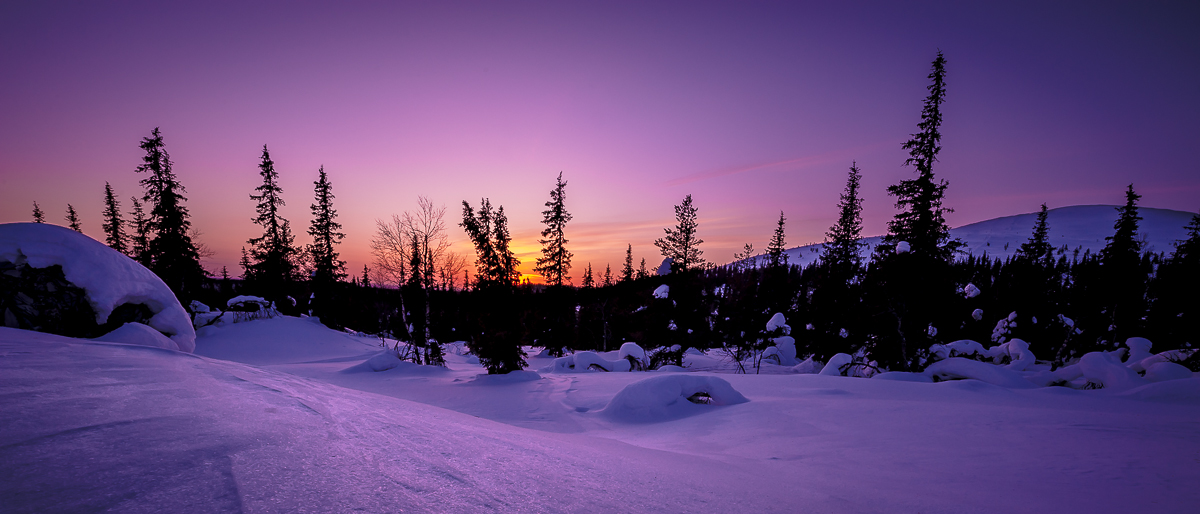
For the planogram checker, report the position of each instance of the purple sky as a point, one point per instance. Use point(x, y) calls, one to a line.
point(752, 108)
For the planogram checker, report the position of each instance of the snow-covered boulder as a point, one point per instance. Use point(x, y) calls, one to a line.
point(139, 334)
point(834, 366)
point(109, 278)
point(1099, 369)
point(1160, 371)
point(668, 397)
point(662, 291)
point(636, 356)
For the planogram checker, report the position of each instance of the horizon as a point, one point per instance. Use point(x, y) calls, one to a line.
point(751, 109)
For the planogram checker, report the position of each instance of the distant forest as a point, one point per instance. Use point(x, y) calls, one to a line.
point(915, 290)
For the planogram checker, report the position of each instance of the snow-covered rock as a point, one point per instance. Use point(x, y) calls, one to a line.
point(109, 278)
point(139, 334)
point(833, 367)
point(668, 397)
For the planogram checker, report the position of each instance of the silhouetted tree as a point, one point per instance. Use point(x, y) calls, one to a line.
point(325, 231)
point(589, 280)
point(38, 215)
point(273, 254)
point(73, 219)
point(555, 262)
point(776, 248)
point(173, 255)
point(627, 269)
point(843, 241)
point(140, 238)
point(681, 244)
point(114, 226)
point(1038, 246)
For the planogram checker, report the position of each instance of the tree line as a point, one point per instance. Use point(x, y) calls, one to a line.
point(914, 290)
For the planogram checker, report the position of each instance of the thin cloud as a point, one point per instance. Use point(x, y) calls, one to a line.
point(790, 164)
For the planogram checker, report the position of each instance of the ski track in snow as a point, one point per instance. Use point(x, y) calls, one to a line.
point(99, 426)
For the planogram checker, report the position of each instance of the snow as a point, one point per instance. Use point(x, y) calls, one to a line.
point(278, 423)
point(1162, 371)
point(960, 368)
point(631, 349)
point(662, 291)
point(109, 278)
point(664, 398)
point(1139, 350)
point(1100, 369)
point(139, 334)
point(777, 322)
point(834, 366)
point(244, 299)
point(971, 291)
point(902, 247)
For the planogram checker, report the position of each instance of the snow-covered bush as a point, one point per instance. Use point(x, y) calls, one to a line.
point(249, 308)
point(115, 287)
point(587, 361)
point(635, 355)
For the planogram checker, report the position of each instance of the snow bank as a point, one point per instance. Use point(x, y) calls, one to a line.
point(903, 376)
point(109, 278)
point(512, 377)
point(1162, 371)
point(960, 368)
point(669, 397)
point(139, 334)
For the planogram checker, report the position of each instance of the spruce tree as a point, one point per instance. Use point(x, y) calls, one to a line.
point(555, 262)
point(114, 226)
point(627, 269)
point(589, 281)
point(608, 278)
point(366, 276)
point(1188, 250)
point(273, 254)
point(498, 331)
point(921, 220)
point(641, 272)
point(140, 239)
point(1123, 246)
point(843, 241)
point(504, 254)
point(479, 228)
point(1038, 246)
point(681, 244)
point(172, 254)
point(776, 248)
point(327, 267)
point(73, 219)
point(38, 215)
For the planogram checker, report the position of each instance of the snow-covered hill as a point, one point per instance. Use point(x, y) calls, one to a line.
point(1078, 227)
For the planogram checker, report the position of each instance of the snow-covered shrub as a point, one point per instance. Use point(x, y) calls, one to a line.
point(836, 363)
point(669, 397)
point(588, 361)
point(116, 288)
point(635, 355)
point(668, 356)
point(249, 308)
point(1100, 371)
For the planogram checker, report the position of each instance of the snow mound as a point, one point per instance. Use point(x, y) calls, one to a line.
point(1182, 391)
point(1139, 350)
point(141, 335)
point(381, 361)
point(1098, 368)
point(903, 376)
point(777, 322)
point(956, 368)
point(834, 366)
point(110, 278)
point(587, 361)
point(1162, 371)
point(632, 350)
point(662, 291)
point(670, 397)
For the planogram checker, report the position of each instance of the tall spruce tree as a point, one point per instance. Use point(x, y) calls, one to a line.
point(627, 269)
point(172, 254)
point(479, 228)
point(114, 226)
point(555, 262)
point(273, 254)
point(73, 219)
point(504, 254)
point(38, 215)
point(776, 256)
point(325, 231)
point(843, 241)
point(921, 221)
point(1038, 246)
point(681, 244)
point(1187, 250)
point(497, 332)
point(589, 280)
point(139, 240)
point(1123, 246)
point(608, 276)
point(641, 272)
point(366, 276)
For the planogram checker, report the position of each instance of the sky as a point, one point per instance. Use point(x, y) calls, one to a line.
point(751, 107)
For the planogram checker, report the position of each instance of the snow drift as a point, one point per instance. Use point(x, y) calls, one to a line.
point(669, 397)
